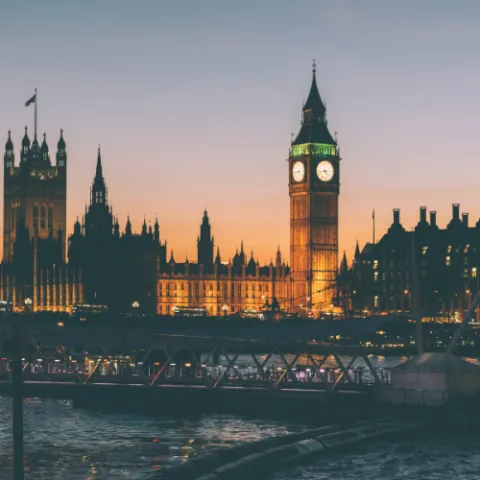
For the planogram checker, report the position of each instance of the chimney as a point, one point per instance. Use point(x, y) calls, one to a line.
point(465, 219)
point(455, 211)
point(423, 214)
point(396, 216)
point(433, 218)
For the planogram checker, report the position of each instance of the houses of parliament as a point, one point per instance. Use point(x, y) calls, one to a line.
point(102, 263)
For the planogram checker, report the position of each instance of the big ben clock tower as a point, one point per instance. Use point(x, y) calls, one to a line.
point(314, 186)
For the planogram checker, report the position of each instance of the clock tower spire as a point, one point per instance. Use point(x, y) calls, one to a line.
point(314, 187)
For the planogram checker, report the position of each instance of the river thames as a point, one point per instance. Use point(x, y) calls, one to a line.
point(422, 457)
point(63, 442)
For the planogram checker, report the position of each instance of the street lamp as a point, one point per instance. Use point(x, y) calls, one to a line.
point(135, 305)
point(225, 309)
point(28, 303)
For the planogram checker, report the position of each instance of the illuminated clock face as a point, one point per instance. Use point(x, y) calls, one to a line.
point(325, 171)
point(298, 171)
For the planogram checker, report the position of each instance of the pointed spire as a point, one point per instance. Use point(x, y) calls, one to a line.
point(116, 228)
point(156, 230)
point(77, 228)
point(344, 264)
point(144, 226)
point(218, 259)
point(278, 257)
point(128, 227)
point(172, 260)
point(26, 140)
point(99, 170)
point(314, 126)
point(61, 142)
point(314, 102)
point(357, 252)
point(44, 148)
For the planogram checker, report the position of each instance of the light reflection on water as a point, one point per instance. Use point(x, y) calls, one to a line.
point(432, 457)
point(67, 443)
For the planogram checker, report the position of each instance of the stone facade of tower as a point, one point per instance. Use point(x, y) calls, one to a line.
point(33, 271)
point(35, 192)
point(314, 187)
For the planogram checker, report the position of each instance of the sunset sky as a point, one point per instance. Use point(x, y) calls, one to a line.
point(194, 103)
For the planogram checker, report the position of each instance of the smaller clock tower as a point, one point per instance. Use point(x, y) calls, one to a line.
point(314, 187)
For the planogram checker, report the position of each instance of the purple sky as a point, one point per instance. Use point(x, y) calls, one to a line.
point(193, 104)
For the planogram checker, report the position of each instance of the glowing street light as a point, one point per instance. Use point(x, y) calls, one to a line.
point(225, 310)
point(135, 305)
point(28, 303)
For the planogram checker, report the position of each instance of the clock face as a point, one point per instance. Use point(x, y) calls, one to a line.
point(325, 171)
point(298, 171)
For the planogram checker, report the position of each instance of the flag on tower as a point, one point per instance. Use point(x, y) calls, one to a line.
point(31, 100)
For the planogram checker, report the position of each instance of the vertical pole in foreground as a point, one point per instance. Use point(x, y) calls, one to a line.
point(18, 468)
point(416, 297)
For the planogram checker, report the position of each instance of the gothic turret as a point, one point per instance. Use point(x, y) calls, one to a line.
point(357, 252)
point(61, 152)
point(128, 227)
point(77, 228)
point(252, 265)
point(278, 259)
point(44, 149)
point(9, 157)
point(205, 243)
point(25, 147)
point(218, 258)
point(157, 231)
point(116, 229)
point(344, 265)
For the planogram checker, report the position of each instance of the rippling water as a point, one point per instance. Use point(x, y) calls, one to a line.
point(444, 457)
point(63, 442)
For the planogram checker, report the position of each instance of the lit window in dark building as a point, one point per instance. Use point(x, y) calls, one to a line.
point(43, 214)
point(50, 217)
point(35, 217)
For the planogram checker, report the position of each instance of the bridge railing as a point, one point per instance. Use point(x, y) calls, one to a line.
point(118, 370)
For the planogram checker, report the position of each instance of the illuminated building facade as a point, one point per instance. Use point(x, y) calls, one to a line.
point(314, 187)
point(445, 263)
point(34, 228)
point(222, 287)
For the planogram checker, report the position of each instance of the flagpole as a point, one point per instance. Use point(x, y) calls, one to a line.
point(373, 218)
point(35, 119)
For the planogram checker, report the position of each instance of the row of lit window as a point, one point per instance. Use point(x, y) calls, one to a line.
point(174, 286)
